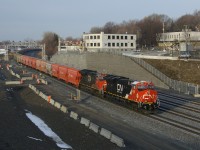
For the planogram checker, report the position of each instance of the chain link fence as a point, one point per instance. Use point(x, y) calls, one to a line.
point(183, 87)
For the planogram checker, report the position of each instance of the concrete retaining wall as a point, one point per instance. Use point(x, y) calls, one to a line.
point(107, 63)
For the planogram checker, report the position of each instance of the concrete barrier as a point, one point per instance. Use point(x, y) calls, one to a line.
point(94, 127)
point(12, 72)
point(30, 86)
point(52, 102)
point(18, 76)
point(45, 97)
point(85, 121)
point(117, 140)
point(43, 81)
point(12, 82)
point(105, 133)
point(27, 78)
point(57, 105)
point(73, 115)
point(37, 92)
point(40, 93)
point(64, 109)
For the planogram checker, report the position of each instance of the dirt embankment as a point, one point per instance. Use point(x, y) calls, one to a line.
point(183, 70)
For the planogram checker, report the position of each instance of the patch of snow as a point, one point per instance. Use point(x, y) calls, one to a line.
point(47, 131)
point(34, 138)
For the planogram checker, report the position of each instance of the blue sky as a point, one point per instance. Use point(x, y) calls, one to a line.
point(29, 19)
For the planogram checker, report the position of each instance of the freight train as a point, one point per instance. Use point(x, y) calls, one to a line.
point(139, 93)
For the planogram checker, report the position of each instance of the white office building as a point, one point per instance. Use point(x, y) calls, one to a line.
point(182, 39)
point(109, 42)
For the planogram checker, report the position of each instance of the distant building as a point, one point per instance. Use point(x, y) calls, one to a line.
point(70, 46)
point(183, 41)
point(102, 41)
point(3, 51)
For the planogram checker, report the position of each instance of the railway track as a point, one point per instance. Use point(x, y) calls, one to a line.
point(166, 118)
point(180, 99)
point(177, 124)
point(174, 104)
point(182, 113)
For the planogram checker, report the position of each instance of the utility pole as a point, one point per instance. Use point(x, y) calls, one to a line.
point(59, 45)
point(163, 35)
point(6, 54)
point(43, 52)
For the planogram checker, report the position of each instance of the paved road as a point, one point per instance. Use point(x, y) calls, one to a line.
point(17, 132)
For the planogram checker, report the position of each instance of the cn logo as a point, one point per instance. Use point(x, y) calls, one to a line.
point(120, 88)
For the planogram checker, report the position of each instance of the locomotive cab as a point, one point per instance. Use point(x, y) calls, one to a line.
point(144, 94)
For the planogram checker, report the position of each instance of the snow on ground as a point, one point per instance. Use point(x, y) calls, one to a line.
point(47, 131)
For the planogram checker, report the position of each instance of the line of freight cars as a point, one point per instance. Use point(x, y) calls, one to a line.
point(132, 92)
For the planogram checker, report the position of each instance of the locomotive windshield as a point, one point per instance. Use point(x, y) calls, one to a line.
point(142, 87)
point(150, 87)
point(145, 87)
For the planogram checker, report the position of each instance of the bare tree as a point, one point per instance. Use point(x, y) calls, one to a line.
point(96, 30)
point(50, 40)
point(147, 28)
point(110, 27)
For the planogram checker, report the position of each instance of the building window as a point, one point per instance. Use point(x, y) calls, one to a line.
point(131, 44)
point(109, 44)
point(91, 44)
point(99, 44)
point(98, 37)
point(118, 37)
point(94, 37)
point(108, 36)
point(95, 44)
point(122, 37)
point(126, 37)
point(86, 37)
point(91, 37)
point(117, 44)
point(122, 44)
point(126, 44)
point(131, 37)
point(113, 44)
point(113, 37)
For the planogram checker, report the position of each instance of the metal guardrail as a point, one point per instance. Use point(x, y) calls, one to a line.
point(183, 87)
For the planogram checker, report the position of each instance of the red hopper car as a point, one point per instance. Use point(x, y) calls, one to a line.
point(62, 72)
point(55, 70)
point(73, 76)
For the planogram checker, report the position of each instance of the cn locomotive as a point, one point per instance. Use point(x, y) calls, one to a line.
point(141, 93)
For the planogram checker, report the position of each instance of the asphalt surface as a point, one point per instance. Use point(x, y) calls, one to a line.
point(16, 129)
point(17, 132)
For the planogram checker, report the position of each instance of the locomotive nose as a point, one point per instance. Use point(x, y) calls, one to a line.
point(149, 97)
